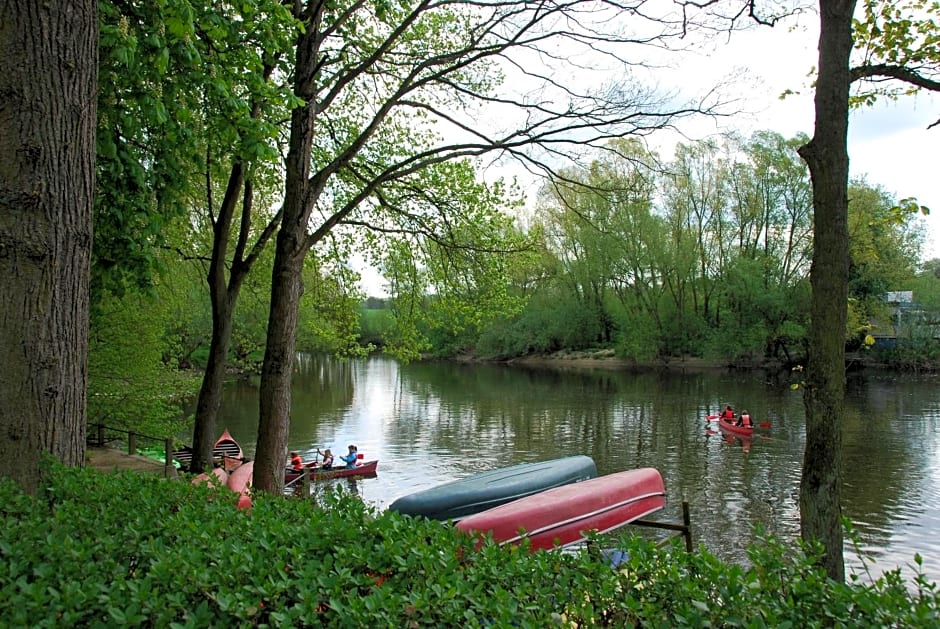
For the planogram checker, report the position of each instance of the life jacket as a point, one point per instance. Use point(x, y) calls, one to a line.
point(296, 462)
point(327, 462)
point(727, 414)
point(746, 421)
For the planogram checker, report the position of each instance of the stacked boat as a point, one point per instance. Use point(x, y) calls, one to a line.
point(550, 503)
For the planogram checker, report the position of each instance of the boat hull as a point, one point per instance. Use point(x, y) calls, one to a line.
point(729, 428)
point(226, 451)
point(566, 515)
point(467, 496)
point(240, 480)
point(367, 468)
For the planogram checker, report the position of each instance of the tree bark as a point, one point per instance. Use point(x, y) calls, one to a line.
point(286, 276)
point(827, 157)
point(223, 297)
point(48, 83)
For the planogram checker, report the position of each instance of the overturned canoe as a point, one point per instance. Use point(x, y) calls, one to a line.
point(565, 515)
point(240, 480)
point(464, 497)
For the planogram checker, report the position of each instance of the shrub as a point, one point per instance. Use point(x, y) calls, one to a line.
point(134, 550)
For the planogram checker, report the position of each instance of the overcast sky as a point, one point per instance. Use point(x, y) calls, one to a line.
point(889, 144)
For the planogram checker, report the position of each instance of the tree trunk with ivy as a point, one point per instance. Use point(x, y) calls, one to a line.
point(824, 391)
point(48, 82)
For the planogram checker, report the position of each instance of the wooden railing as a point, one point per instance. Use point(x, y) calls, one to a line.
point(101, 436)
point(684, 529)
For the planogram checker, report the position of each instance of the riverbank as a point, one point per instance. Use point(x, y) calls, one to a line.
point(607, 359)
point(111, 460)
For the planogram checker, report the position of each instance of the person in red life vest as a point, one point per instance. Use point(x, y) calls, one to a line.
point(745, 420)
point(296, 462)
point(728, 413)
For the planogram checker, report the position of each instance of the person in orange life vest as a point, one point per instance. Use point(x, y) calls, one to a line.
point(296, 462)
point(745, 420)
point(728, 413)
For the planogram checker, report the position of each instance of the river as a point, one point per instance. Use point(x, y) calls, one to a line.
point(430, 423)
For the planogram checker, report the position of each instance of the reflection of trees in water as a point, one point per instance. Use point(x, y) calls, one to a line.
point(322, 390)
point(888, 452)
point(485, 416)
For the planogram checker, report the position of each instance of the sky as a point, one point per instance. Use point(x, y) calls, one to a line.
point(889, 143)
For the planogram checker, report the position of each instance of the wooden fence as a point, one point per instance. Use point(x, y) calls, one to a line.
point(101, 436)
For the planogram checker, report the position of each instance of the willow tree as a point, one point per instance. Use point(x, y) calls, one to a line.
point(387, 91)
point(48, 75)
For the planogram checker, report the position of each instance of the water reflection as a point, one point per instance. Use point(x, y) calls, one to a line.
point(432, 423)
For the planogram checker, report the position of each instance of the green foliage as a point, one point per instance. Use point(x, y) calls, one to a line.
point(896, 34)
point(450, 273)
point(129, 384)
point(136, 550)
point(329, 312)
point(710, 258)
point(176, 85)
point(551, 320)
point(374, 325)
point(637, 337)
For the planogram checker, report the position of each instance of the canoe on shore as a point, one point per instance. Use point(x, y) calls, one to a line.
point(365, 468)
point(226, 450)
point(464, 497)
point(565, 515)
point(240, 480)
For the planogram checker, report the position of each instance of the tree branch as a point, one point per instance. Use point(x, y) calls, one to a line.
point(900, 73)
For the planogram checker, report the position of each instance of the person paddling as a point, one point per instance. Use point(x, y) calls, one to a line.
point(745, 420)
point(296, 462)
point(728, 413)
point(327, 459)
point(350, 459)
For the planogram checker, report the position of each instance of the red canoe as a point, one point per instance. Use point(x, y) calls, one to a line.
point(226, 450)
point(366, 468)
point(217, 478)
point(729, 427)
point(564, 515)
point(239, 481)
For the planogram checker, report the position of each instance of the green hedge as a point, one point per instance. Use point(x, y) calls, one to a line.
point(97, 550)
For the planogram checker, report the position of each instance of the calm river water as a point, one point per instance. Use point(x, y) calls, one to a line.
point(433, 423)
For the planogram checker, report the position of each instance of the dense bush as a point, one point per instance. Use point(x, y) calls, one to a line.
point(127, 550)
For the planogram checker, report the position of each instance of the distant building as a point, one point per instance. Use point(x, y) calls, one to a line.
point(908, 321)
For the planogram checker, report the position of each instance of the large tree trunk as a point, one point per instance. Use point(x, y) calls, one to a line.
point(48, 83)
point(286, 277)
point(827, 157)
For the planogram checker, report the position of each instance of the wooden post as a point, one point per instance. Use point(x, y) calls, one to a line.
point(168, 458)
point(131, 442)
point(687, 526)
point(305, 482)
point(100, 435)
